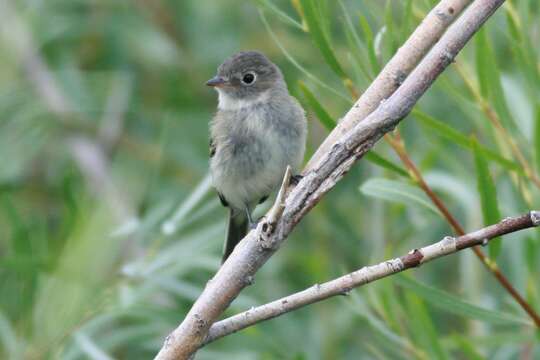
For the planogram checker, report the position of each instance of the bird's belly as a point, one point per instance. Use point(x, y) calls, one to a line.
point(246, 169)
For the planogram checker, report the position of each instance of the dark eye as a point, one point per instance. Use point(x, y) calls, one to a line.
point(248, 78)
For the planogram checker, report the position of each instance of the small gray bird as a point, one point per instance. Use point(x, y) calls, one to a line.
point(257, 131)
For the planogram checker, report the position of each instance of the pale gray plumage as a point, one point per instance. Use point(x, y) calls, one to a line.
point(257, 131)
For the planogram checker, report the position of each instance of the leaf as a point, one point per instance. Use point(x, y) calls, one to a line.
point(316, 31)
point(482, 62)
point(355, 44)
point(467, 348)
point(390, 30)
point(422, 327)
point(448, 132)
point(537, 137)
point(293, 61)
point(489, 77)
point(488, 195)
point(398, 192)
point(172, 224)
point(90, 348)
point(370, 43)
point(359, 307)
point(377, 159)
point(326, 120)
point(455, 305)
point(280, 13)
point(8, 338)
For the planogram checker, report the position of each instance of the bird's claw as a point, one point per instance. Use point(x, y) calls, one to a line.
point(295, 179)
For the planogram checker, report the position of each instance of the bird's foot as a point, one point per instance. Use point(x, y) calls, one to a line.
point(295, 179)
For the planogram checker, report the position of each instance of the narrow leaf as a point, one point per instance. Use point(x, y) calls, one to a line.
point(482, 61)
point(326, 120)
point(537, 138)
point(316, 31)
point(489, 77)
point(370, 43)
point(488, 195)
point(293, 61)
point(448, 132)
point(377, 159)
point(267, 4)
point(422, 327)
point(456, 305)
point(398, 192)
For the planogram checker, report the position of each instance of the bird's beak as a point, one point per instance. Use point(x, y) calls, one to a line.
point(216, 81)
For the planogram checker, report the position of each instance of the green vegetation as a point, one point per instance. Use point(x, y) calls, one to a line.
point(102, 260)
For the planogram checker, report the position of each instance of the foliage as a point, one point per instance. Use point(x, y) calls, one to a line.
point(78, 280)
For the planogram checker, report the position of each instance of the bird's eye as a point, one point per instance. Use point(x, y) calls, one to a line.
point(248, 78)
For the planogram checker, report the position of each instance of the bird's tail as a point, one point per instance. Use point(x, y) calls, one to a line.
point(237, 229)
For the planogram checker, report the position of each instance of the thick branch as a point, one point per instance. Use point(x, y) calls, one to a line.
point(365, 275)
point(255, 249)
point(396, 70)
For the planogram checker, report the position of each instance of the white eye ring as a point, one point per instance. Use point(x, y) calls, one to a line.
point(249, 78)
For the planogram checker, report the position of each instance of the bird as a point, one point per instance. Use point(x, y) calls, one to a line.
point(258, 130)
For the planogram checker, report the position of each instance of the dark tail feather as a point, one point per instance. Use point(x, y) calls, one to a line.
point(237, 229)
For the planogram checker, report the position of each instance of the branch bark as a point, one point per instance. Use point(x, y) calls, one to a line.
point(396, 70)
point(255, 249)
point(366, 275)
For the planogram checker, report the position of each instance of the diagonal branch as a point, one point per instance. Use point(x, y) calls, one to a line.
point(396, 70)
point(255, 249)
point(366, 275)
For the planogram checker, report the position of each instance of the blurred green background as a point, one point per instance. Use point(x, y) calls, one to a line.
point(109, 229)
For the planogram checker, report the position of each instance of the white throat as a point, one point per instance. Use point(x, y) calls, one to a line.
point(226, 102)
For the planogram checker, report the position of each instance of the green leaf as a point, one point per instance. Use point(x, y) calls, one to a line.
point(456, 305)
point(390, 30)
point(489, 77)
point(280, 13)
point(488, 195)
point(483, 53)
point(398, 192)
point(537, 138)
point(8, 338)
point(408, 21)
point(467, 348)
point(316, 31)
point(448, 132)
point(370, 43)
point(377, 159)
point(326, 120)
point(422, 327)
point(355, 44)
point(293, 61)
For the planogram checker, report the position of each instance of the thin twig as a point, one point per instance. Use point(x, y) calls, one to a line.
point(490, 264)
point(238, 271)
point(344, 284)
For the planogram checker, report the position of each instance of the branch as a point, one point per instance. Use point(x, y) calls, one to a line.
point(396, 70)
point(399, 146)
point(255, 249)
point(366, 275)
